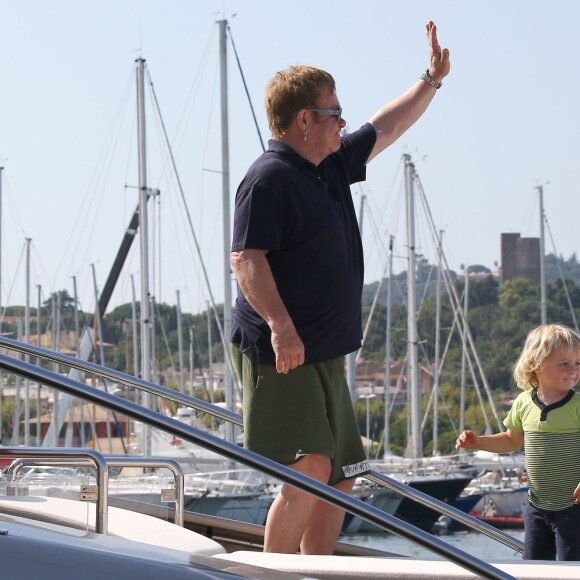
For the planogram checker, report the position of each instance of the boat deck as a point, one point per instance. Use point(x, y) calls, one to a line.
point(354, 567)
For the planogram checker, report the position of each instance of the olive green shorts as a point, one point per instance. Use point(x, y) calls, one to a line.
point(308, 410)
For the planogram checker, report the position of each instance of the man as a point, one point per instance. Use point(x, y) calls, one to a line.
point(297, 256)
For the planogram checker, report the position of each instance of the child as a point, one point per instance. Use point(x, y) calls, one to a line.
point(546, 417)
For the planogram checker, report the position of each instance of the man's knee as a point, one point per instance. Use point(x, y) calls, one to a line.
point(345, 485)
point(317, 466)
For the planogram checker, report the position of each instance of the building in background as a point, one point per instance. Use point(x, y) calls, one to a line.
point(520, 258)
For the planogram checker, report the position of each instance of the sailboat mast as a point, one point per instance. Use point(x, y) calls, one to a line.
point(38, 341)
point(414, 446)
point(1, 314)
point(1, 235)
point(387, 448)
point(134, 328)
point(78, 354)
point(229, 388)
point(27, 339)
point(17, 385)
point(464, 352)
point(180, 343)
point(209, 357)
point(101, 350)
point(437, 348)
point(544, 301)
point(352, 356)
point(143, 237)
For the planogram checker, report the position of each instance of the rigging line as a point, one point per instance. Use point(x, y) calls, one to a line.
point(398, 176)
point(530, 217)
point(204, 382)
point(464, 329)
point(205, 169)
point(103, 380)
point(449, 416)
point(203, 186)
point(246, 89)
point(464, 332)
point(430, 403)
point(160, 319)
point(439, 370)
point(376, 223)
point(164, 171)
point(564, 285)
point(9, 297)
point(187, 212)
point(154, 228)
point(193, 92)
point(377, 235)
point(443, 357)
point(8, 196)
point(37, 260)
point(425, 289)
point(165, 174)
point(399, 285)
point(94, 193)
point(373, 305)
point(371, 312)
point(227, 354)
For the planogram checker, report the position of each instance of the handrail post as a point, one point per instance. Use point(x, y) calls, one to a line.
point(169, 464)
point(94, 457)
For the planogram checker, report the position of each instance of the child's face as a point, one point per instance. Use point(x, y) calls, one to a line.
point(560, 371)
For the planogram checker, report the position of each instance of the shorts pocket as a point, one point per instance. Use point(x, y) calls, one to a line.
point(250, 370)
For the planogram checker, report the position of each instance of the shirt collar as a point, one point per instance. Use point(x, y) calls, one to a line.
point(289, 154)
point(544, 409)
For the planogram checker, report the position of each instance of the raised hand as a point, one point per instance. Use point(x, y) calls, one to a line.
point(439, 64)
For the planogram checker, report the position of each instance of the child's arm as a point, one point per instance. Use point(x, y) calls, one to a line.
point(577, 493)
point(498, 443)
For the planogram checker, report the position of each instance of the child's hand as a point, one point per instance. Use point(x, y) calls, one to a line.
point(577, 493)
point(469, 440)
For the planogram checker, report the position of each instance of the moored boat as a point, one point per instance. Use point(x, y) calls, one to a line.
point(68, 543)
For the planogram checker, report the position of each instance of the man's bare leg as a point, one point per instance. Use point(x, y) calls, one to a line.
point(325, 524)
point(292, 509)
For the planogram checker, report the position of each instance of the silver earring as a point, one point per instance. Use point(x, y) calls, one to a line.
point(305, 136)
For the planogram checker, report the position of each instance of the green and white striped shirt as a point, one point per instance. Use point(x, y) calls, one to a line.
point(552, 447)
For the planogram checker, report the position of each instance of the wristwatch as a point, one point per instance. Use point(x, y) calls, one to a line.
point(429, 79)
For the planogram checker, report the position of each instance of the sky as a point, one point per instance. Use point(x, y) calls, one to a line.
point(504, 123)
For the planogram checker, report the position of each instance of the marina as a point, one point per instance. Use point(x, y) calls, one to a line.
point(470, 542)
point(309, 565)
point(46, 515)
point(122, 452)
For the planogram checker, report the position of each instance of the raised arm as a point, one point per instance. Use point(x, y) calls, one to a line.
point(498, 443)
point(255, 278)
point(392, 120)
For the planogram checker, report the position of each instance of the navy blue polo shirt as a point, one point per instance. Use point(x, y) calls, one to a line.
point(303, 215)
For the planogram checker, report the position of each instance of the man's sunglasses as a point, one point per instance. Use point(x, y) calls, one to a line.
point(334, 112)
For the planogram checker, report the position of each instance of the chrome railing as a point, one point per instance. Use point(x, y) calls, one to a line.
point(445, 509)
point(225, 448)
point(55, 457)
point(61, 453)
point(225, 414)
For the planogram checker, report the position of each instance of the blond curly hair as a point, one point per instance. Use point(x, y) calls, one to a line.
point(540, 343)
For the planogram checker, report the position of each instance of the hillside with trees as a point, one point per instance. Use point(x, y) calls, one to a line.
point(499, 318)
